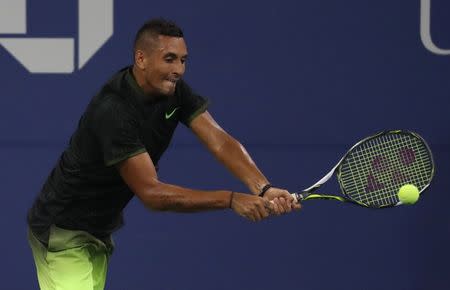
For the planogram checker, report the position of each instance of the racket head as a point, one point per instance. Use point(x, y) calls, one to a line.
point(374, 169)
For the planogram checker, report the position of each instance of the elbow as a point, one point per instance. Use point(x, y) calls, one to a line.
point(154, 198)
point(155, 205)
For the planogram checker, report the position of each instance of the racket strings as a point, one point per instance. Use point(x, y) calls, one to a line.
point(373, 172)
point(405, 173)
point(399, 172)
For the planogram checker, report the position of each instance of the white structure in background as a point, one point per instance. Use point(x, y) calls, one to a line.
point(425, 29)
point(56, 55)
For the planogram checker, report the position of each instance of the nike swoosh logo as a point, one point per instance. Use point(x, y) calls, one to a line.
point(168, 116)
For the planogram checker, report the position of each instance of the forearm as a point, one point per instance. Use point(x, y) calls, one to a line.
point(168, 197)
point(236, 159)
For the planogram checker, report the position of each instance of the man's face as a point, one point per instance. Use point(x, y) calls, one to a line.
point(164, 64)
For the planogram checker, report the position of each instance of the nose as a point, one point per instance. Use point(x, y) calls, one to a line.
point(179, 68)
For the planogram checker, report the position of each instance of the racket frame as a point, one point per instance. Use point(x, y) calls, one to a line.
point(309, 193)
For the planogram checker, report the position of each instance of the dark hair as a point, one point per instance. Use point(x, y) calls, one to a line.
point(155, 27)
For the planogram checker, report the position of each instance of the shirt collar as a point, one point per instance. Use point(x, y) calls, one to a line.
point(140, 95)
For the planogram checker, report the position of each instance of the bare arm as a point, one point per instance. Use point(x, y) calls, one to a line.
point(140, 175)
point(229, 152)
point(233, 155)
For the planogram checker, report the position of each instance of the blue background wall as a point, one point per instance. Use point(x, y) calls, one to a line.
point(297, 82)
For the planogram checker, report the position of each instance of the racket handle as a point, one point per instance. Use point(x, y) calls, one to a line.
point(297, 197)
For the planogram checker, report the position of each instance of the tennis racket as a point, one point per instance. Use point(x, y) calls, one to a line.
point(373, 170)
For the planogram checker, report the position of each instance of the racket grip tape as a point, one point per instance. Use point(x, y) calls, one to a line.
point(297, 197)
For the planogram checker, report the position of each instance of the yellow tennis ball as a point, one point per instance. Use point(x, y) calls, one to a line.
point(408, 194)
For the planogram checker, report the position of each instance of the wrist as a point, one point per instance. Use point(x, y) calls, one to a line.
point(231, 199)
point(264, 189)
point(255, 187)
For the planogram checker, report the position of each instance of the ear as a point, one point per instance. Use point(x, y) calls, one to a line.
point(139, 59)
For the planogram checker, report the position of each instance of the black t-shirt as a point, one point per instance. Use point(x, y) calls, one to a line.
point(85, 190)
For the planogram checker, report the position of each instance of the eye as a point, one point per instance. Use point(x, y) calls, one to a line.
point(169, 59)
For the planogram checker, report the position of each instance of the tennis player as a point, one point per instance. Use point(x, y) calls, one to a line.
point(113, 155)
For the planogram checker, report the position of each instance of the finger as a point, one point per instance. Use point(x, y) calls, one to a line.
point(268, 206)
point(261, 212)
point(261, 206)
point(265, 214)
point(284, 205)
point(246, 216)
point(256, 214)
point(251, 217)
point(288, 207)
point(276, 206)
point(287, 197)
point(291, 200)
point(297, 206)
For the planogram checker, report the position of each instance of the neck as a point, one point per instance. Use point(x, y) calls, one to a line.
point(140, 80)
point(149, 92)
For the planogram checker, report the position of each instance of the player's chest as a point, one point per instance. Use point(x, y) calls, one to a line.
point(160, 119)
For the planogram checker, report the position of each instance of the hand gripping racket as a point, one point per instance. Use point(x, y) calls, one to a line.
point(373, 170)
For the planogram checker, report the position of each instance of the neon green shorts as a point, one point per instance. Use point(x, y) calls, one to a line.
point(73, 260)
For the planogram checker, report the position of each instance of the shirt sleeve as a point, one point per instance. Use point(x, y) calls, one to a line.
point(117, 131)
point(191, 104)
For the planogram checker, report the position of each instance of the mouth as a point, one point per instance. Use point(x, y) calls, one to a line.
point(172, 80)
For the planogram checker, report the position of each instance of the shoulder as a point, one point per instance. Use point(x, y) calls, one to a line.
point(117, 81)
point(184, 94)
point(108, 100)
point(114, 94)
point(109, 107)
point(115, 91)
point(183, 89)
